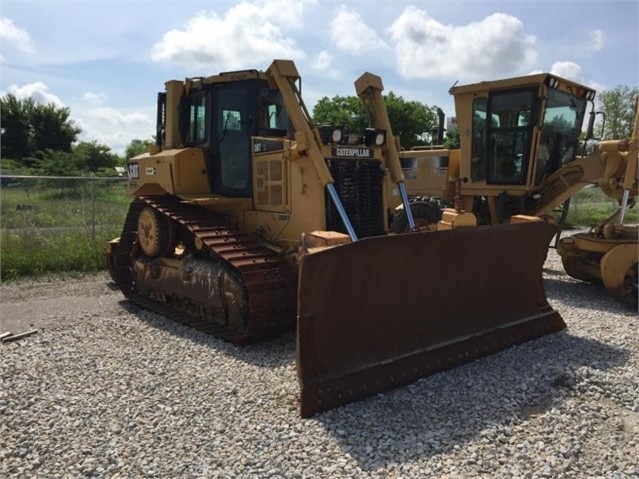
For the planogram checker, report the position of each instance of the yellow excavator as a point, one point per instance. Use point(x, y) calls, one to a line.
point(247, 218)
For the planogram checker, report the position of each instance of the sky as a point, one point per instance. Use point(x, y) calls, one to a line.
point(106, 60)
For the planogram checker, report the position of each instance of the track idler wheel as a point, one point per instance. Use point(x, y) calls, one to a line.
point(155, 233)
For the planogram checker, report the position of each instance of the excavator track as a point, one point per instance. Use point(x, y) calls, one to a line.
point(269, 282)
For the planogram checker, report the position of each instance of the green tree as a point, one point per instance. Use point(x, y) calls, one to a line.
point(53, 128)
point(16, 130)
point(29, 128)
point(91, 157)
point(55, 163)
point(451, 139)
point(341, 111)
point(411, 120)
point(137, 147)
point(618, 106)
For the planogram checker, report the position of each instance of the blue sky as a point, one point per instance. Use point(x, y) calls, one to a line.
point(106, 60)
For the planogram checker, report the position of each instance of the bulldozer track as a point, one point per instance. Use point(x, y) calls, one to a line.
point(270, 282)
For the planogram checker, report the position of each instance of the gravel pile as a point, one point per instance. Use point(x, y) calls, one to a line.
point(108, 390)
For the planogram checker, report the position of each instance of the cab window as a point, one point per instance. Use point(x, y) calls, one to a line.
point(196, 131)
point(234, 133)
point(510, 128)
point(478, 159)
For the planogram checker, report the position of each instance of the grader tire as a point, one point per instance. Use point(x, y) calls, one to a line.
point(425, 216)
point(619, 272)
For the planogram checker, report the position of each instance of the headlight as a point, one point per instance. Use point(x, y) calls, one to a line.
point(552, 82)
point(331, 134)
point(374, 137)
point(326, 132)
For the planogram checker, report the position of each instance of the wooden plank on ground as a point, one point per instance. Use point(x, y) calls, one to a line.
point(15, 337)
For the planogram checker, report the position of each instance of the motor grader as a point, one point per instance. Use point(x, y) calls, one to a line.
point(607, 253)
point(247, 218)
point(519, 155)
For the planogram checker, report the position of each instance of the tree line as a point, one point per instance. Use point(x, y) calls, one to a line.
point(43, 139)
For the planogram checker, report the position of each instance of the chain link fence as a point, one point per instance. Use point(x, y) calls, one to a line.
point(57, 224)
point(61, 224)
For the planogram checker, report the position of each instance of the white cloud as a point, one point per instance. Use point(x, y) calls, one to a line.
point(568, 70)
point(96, 120)
point(495, 46)
point(583, 47)
point(247, 35)
point(96, 99)
point(114, 117)
point(38, 91)
point(12, 34)
point(323, 63)
point(350, 33)
point(597, 39)
point(114, 128)
point(323, 60)
point(117, 139)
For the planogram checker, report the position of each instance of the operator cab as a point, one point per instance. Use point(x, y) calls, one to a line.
point(220, 114)
point(520, 130)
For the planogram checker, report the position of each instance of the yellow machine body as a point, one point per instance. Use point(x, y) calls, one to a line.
point(247, 218)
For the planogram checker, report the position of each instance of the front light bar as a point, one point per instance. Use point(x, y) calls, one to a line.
point(341, 136)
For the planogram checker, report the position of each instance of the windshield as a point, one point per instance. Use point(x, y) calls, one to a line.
point(559, 132)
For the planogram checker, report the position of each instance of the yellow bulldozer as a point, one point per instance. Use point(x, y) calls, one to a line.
point(247, 219)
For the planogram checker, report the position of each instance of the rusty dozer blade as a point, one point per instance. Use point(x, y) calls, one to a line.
point(383, 312)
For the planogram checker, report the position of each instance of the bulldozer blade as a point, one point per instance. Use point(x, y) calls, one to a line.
point(385, 311)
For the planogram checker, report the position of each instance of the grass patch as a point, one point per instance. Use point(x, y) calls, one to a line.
point(62, 225)
point(591, 206)
point(22, 207)
point(28, 253)
point(58, 226)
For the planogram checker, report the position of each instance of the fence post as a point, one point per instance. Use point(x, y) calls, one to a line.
point(93, 208)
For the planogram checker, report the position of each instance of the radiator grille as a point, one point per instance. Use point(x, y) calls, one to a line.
point(359, 185)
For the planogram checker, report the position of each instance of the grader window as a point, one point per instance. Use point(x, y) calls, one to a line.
point(478, 161)
point(511, 116)
point(559, 139)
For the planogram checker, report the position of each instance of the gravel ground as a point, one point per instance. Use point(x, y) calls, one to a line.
point(105, 389)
